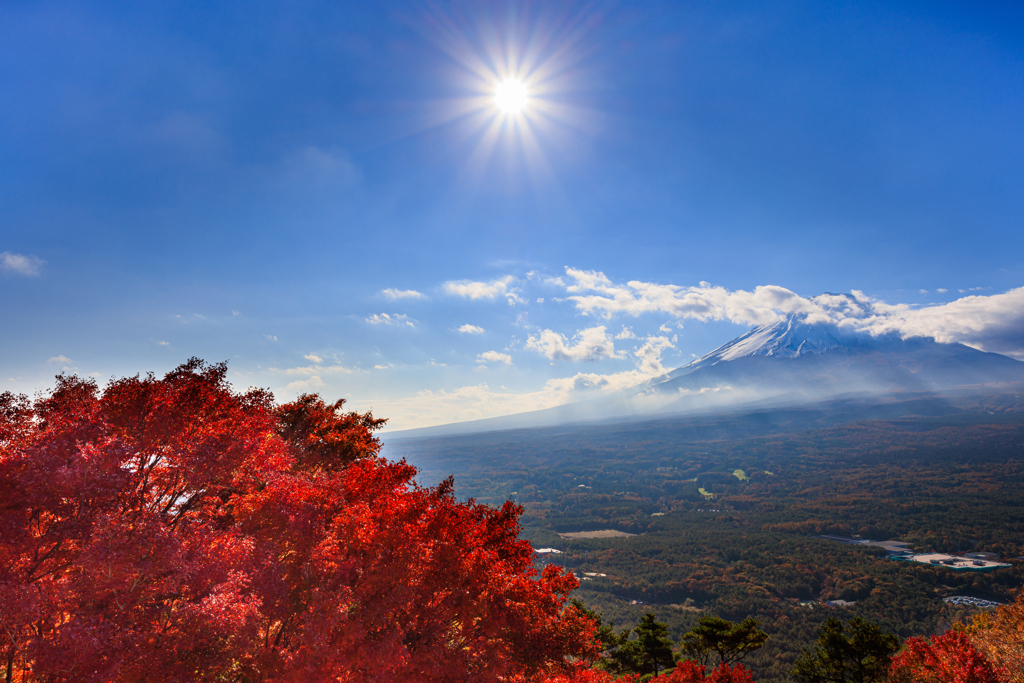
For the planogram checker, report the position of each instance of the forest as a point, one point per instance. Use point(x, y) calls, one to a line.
point(729, 526)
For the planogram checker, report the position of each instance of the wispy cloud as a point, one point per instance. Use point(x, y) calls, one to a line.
point(312, 383)
point(314, 370)
point(395, 294)
point(314, 169)
point(59, 359)
point(20, 264)
point(390, 319)
point(313, 357)
point(471, 329)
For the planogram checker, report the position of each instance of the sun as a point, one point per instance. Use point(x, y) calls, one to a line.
point(511, 96)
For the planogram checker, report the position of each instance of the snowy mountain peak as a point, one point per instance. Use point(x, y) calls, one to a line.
point(788, 338)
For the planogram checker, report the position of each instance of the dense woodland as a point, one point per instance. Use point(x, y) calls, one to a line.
point(727, 526)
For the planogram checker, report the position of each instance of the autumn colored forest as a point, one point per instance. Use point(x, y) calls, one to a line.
point(175, 529)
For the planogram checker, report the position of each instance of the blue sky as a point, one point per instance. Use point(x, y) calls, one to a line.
point(259, 183)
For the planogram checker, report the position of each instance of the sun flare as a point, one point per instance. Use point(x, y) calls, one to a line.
point(511, 96)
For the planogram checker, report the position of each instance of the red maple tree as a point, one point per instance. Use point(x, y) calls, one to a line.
point(689, 671)
point(176, 530)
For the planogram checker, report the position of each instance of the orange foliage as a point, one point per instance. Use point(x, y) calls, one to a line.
point(947, 658)
point(1001, 637)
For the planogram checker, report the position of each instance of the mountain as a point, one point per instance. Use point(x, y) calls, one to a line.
point(810, 361)
point(787, 364)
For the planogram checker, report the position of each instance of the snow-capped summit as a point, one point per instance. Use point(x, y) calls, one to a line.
point(787, 338)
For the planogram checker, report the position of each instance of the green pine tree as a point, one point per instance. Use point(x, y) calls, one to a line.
point(650, 653)
point(858, 652)
point(731, 642)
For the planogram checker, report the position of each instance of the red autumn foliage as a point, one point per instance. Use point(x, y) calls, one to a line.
point(947, 658)
point(689, 671)
point(175, 530)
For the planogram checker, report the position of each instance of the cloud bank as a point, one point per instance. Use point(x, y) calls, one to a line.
point(989, 323)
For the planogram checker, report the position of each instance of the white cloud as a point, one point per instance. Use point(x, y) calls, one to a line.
point(271, 337)
point(592, 343)
point(470, 289)
point(20, 264)
point(594, 294)
point(394, 294)
point(60, 359)
point(478, 290)
point(649, 356)
point(627, 333)
point(471, 329)
point(494, 357)
point(313, 357)
point(941, 290)
point(164, 343)
point(390, 319)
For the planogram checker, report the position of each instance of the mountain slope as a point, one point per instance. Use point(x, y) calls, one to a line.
point(821, 359)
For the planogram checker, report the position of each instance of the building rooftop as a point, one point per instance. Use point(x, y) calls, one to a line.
point(954, 562)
